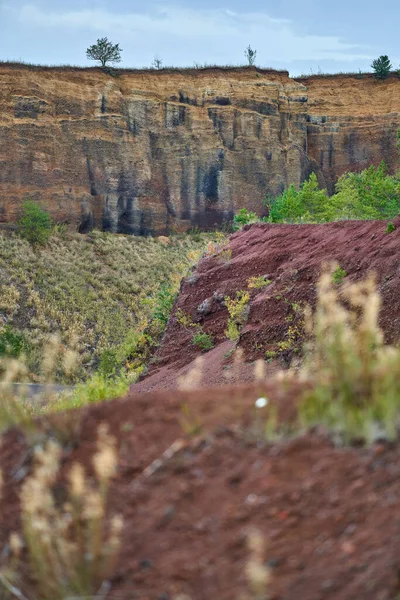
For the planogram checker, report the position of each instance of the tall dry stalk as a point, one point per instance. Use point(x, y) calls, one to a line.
point(355, 377)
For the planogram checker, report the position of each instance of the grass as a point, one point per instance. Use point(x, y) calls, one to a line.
point(196, 67)
point(108, 297)
point(354, 376)
point(238, 309)
point(70, 547)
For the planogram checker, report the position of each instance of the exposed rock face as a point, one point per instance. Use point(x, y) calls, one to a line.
point(151, 151)
point(352, 123)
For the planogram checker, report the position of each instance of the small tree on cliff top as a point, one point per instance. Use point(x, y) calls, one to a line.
point(105, 52)
point(381, 66)
point(250, 54)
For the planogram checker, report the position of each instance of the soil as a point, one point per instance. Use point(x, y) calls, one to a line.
point(329, 515)
point(196, 475)
point(291, 257)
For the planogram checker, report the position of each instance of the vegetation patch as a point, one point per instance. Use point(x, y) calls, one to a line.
point(238, 309)
point(108, 297)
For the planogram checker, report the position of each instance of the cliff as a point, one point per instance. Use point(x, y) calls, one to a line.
point(352, 123)
point(147, 151)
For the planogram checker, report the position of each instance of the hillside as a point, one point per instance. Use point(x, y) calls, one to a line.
point(290, 258)
point(214, 493)
point(99, 293)
point(149, 152)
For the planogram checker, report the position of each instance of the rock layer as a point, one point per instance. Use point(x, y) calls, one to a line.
point(149, 152)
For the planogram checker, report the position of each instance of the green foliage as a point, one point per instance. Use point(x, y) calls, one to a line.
point(371, 194)
point(35, 224)
point(390, 227)
point(309, 203)
point(244, 217)
point(250, 55)
point(104, 52)
point(259, 282)
point(381, 66)
point(12, 343)
point(165, 298)
point(202, 340)
point(238, 309)
point(96, 389)
point(338, 275)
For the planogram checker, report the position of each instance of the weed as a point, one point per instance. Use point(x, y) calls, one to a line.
point(70, 550)
point(355, 377)
point(244, 217)
point(390, 227)
point(258, 282)
point(338, 274)
point(189, 421)
point(202, 340)
point(238, 309)
point(183, 319)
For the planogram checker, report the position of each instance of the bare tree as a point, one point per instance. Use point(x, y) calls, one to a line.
point(104, 52)
point(250, 54)
point(157, 62)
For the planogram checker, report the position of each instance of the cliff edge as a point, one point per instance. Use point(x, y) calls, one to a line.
point(145, 152)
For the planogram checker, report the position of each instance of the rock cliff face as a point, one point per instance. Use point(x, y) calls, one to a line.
point(352, 123)
point(148, 151)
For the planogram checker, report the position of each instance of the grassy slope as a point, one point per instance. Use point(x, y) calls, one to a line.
point(96, 291)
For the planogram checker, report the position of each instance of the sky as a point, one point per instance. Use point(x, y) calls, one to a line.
point(302, 36)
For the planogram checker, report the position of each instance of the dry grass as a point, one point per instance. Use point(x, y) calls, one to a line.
point(355, 377)
point(97, 292)
point(67, 547)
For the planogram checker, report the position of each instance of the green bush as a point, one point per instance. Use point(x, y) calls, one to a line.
point(381, 66)
point(244, 217)
point(12, 343)
point(202, 340)
point(390, 227)
point(309, 203)
point(371, 194)
point(35, 224)
point(338, 275)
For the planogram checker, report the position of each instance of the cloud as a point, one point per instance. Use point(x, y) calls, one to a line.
point(185, 32)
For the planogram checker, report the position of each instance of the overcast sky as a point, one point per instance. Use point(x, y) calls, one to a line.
point(301, 36)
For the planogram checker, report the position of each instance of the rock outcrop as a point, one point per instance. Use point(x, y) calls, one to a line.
point(149, 152)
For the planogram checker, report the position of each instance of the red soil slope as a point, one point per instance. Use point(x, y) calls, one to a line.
point(291, 256)
point(329, 515)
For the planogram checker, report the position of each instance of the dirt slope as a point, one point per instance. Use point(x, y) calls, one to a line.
point(329, 515)
point(291, 257)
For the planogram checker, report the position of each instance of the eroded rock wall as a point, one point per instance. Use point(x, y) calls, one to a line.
point(148, 151)
point(352, 123)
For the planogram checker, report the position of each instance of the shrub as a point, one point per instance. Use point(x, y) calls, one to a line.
point(238, 309)
point(12, 343)
point(381, 66)
point(165, 298)
point(371, 194)
point(354, 376)
point(338, 275)
point(35, 224)
point(309, 203)
point(390, 228)
point(258, 282)
point(202, 340)
point(244, 217)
